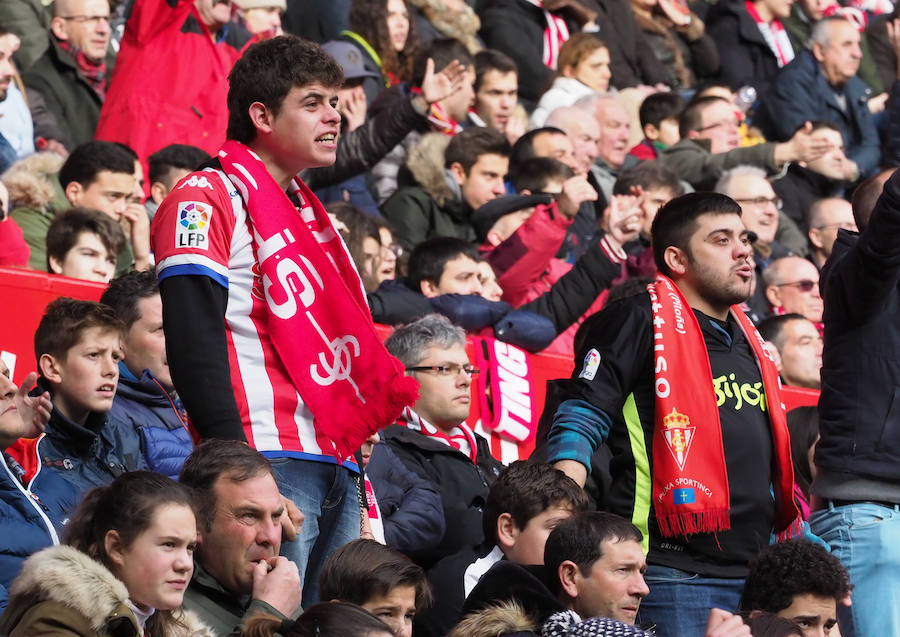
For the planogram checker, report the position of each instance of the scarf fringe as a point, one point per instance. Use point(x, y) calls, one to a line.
point(399, 393)
point(794, 530)
point(709, 521)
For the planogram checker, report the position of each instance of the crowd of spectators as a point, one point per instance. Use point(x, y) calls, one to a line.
point(691, 200)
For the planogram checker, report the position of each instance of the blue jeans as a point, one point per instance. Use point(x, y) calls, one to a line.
point(326, 493)
point(679, 602)
point(866, 538)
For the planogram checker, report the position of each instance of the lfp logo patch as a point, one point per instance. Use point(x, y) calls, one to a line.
point(192, 230)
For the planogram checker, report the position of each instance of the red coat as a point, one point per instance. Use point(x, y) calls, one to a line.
point(526, 267)
point(170, 82)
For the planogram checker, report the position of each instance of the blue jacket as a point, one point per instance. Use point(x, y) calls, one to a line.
point(155, 415)
point(800, 93)
point(31, 514)
point(411, 507)
point(91, 455)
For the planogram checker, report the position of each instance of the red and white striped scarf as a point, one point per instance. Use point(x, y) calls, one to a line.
point(775, 36)
point(555, 34)
point(461, 437)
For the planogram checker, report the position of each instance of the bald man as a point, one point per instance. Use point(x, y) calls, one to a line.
point(826, 217)
point(71, 75)
point(792, 287)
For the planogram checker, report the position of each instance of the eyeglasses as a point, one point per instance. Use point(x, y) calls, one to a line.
point(806, 285)
point(724, 123)
point(762, 201)
point(448, 369)
point(843, 225)
point(90, 20)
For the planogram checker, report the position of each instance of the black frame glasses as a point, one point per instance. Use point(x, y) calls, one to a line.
point(448, 369)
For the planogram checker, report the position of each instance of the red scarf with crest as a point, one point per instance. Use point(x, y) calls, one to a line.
point(690, 481)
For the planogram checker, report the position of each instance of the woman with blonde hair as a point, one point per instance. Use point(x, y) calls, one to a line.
point(583, 70)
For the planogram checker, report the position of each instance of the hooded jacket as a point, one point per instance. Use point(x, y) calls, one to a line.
point(462, 485)
point(146, 406)
point(62, 591)
point(433, 207)
point(33, 510)
point(35, 196)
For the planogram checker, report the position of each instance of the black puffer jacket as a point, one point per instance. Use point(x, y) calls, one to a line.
point(463, 485)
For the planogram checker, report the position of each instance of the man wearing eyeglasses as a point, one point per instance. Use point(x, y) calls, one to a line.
point(71, 76)
point(792, 287)
point(826, 217)
point(432, 439)
point(710, 145)
point(776, 235)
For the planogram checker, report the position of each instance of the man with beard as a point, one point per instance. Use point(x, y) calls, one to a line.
point(674, 381)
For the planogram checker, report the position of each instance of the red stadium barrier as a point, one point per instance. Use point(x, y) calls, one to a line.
point(507, 397)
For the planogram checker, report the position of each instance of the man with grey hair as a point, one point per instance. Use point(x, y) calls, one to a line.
point(761, 215)
point(821, 84)
point(432, 439)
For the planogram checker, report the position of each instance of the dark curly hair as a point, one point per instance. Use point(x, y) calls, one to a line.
point(368, 18)
point(787, 569)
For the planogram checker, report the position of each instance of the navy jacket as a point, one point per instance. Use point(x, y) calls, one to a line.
point(859, 408)
point(410, 506)
point(801, 93)
point(154, 414)
point(463, 486)
point(92, 455)
point(32, 514)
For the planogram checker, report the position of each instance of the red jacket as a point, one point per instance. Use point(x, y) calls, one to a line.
point(170, 82)
point(526, 266)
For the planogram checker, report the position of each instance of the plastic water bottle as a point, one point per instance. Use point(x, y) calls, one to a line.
point(745, 98)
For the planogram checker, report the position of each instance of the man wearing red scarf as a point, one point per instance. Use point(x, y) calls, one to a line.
point(677, 383)
point(268, 335)
point(71, 74)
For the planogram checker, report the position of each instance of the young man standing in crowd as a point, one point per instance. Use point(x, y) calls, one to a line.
point(670, 430)
point(261, 301)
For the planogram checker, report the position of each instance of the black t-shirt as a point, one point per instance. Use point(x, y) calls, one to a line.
point(622, 336)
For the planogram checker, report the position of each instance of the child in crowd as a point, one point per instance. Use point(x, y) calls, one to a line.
point(381, 580)
point(526, 501)
point(659, 121)
point(78, 346)
point(83, 243)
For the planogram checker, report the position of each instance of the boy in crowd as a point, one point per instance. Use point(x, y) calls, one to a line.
point(78, 345)
point(476, 159)
point(167, 166)
point(800, 581)
point(659, 121)
point(145, 397)
point(98, 175)
point(380, 579)
point(83, 243)
point(524, 505)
